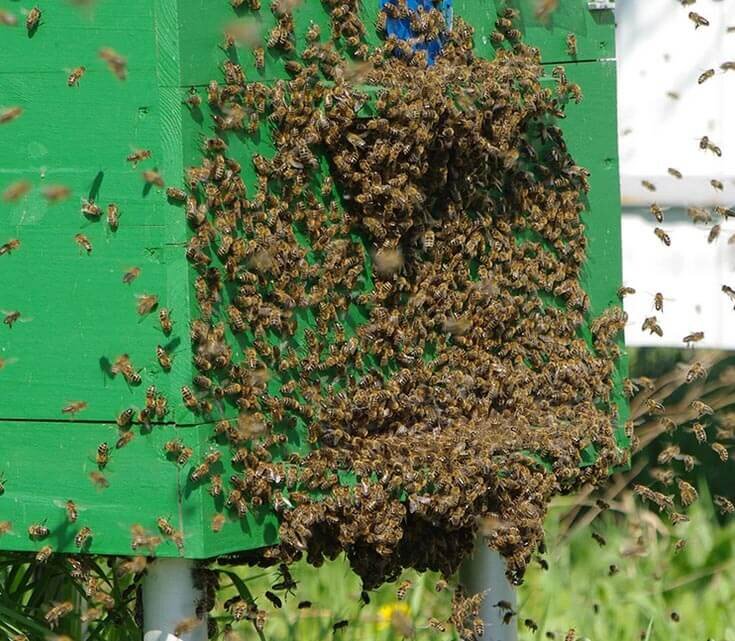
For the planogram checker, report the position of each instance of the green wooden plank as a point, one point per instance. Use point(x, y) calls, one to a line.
point(51, 463)
point(81, 310)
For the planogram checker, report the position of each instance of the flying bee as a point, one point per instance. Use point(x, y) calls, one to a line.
point(436, 624)
point(123, 440)
point(146, 303)
point(83, 242)
point(75, 76)
point(652, 325)
point(99, 480)
point(716, 184)
point(662, 236)
point(74, 407)
point(57, 612)
point(696, 371)
point(72, 513)
point(706, 144)
point(721, 451)
point(113, 216)
point(648, 185)
point(701, 408)
point(153, 177)
point(625, 291)
point(403, 589)
point(130, 275)
point(83, 536)
point(694, 337)
point(699, 21)
point(103, 455)
point(165, 527)
point(44, 554)
point(724, 505)
point(274, 599)
point(115, 62)
point(705, 76)
point(218, 522)
point(38, 531)
point(714, 233)
point(729, 291)
point(9, 114)
point(163, 358)
point(687, 492)
point(137, 156)
point(15, 191)
point(675, 173)
point(657, 212)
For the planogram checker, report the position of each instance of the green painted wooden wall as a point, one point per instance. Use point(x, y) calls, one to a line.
point(80, 316)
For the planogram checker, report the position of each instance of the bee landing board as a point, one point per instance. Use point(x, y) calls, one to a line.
point(89, 343)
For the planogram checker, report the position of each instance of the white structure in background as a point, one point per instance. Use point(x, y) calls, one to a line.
point(660, 51)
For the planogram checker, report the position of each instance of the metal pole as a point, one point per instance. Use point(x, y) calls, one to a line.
point(169, 598)
point(484, 571)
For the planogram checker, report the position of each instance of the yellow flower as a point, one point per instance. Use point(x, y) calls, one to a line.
point(387, 614)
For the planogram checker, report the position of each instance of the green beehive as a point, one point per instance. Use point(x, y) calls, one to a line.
point(77, 314)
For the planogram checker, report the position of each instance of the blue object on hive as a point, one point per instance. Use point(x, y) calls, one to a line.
point(401, 27)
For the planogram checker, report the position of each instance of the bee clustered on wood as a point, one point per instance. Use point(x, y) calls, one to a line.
point(404, 288)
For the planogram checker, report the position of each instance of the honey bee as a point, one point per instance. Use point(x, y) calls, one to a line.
point(697, 370)
point(163, 358)
point(193, 100)
point(83, 242)
point(625, 291)
point(599, 539)
point(8, 19)
point(237, 322)
point(215, 485)
point(99, 480)
point(340, 625)
point(716, 184)
point(123, 440)
point(55, 193)
point(113, 216)
point(137, 156)
point(44, 554)
point(72, 513)
point(274, 599)
point(694, 337)
point(164, 317)
point(165, 527)
point(572, 44)
point(10, 246)
point(675, 173)
point(5, 527)
point(723, 504)
point(657, 212)
point(103, 455)
point(662, 236)
point(153, 177)
point(714, 233)
point(721, 451)
point(651, 324)
point(117, 65)
point(698, 20)
point(729, 291)
point(75, 76)
point(706, 144)
point(530, 624)
point(146, 303)
point(189, 399)
point(9, 114)
point(259, 56)
point(705, 76)
point(687, 492)
point(57, 612)
point(74, 407)
point(15, 191)
point(83, 537)
point(38, 531)
point(701, 408)
point(648, 185)
point(33, 19)
point(658, 302)
point(403, 589)
point(186, 626)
